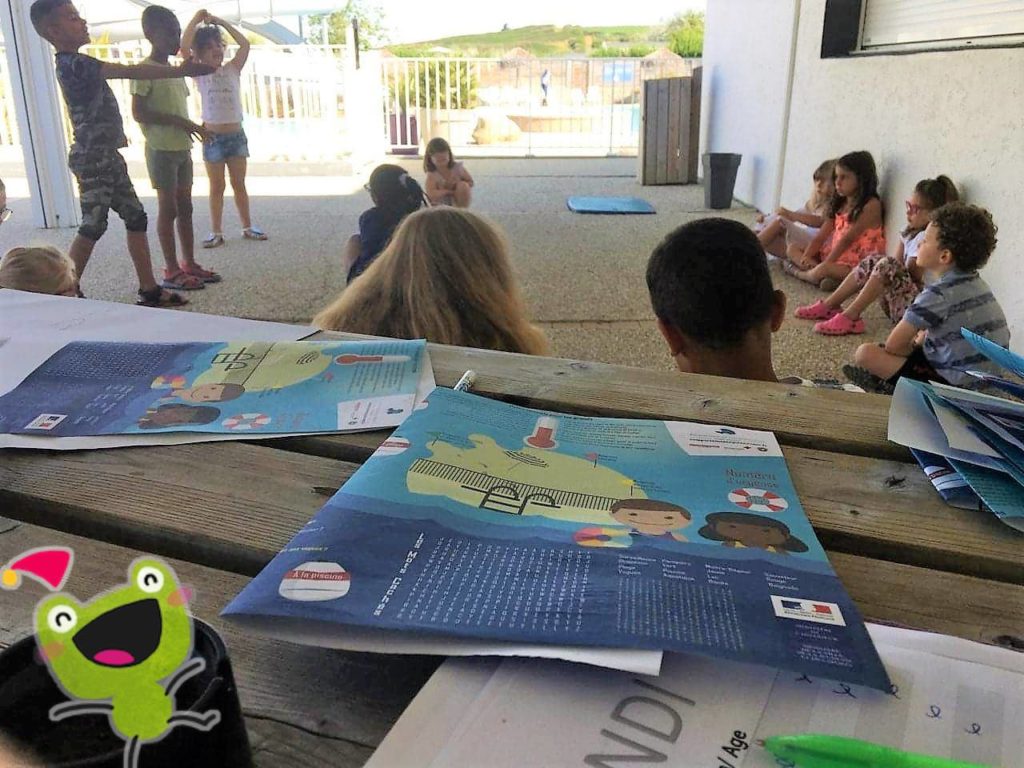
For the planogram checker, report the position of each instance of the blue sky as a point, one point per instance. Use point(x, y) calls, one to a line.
point(415, 20)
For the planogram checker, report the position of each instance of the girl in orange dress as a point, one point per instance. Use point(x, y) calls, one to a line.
point(853, 222)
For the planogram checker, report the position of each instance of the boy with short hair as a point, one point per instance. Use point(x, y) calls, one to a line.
point(94, 158)
point(957, 243)
point(161, 109)
point(715, 304)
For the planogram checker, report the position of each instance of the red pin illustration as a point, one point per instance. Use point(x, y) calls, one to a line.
point(350, 359)
point(50, 566)
point(543, 433)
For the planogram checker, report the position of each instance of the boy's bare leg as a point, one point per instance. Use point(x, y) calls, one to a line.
point(186, 230)
point(138, 249)
point(167, 212)
point(81, 250)
point(237, 167)
point(215, 173)
point(874, 358)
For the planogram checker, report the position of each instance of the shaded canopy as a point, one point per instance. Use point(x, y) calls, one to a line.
point(119, 19)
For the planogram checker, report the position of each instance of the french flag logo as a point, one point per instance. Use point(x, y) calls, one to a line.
point(819, 608)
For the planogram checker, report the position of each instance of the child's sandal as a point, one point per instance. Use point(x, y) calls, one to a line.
point(181, 281)
point(839, 325)
point(206, 275)
point(214, 240)
point(158, 297)
point(254, 233)
point(819, 310)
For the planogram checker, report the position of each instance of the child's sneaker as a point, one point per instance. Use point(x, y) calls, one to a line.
point(839, 325)
point(181, 281)
point(206, 275)
point(867, 381)
point(254, 233)
point(819, 310)
point(214, 240)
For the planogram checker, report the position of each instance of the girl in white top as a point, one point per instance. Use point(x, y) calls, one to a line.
point(227, 148)
point(893, 281)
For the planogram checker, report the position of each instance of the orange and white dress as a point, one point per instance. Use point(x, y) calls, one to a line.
point(869, 243)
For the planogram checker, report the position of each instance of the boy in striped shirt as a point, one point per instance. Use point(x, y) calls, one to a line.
point(957, 243)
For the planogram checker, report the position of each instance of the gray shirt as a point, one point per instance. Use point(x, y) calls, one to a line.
point(954, 301)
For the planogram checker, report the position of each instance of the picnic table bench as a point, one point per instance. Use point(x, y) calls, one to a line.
point(220, 511)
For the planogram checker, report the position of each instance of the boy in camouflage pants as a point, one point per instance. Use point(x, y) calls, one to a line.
point(94, 158)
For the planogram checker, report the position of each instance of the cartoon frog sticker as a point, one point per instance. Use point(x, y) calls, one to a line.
point(125, 654)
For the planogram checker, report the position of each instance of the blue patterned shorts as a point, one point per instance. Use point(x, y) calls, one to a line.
point(224, 146)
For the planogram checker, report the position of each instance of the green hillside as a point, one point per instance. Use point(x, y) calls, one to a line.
point(547, 41)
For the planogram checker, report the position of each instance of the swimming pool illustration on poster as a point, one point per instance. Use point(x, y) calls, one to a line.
point(244, 388)
point(485, 520)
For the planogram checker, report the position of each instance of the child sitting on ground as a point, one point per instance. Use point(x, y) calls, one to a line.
point(161, 109)
point(895, 281)
point(39, 270)
point(95, 159)
point(448, 181)
point(957, 243)
point(853, 223)
point(446, 277)
point(785, 227)
point(395, 195)
point(714, 302)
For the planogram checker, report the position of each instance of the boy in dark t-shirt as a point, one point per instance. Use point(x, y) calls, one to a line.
point(94, 158)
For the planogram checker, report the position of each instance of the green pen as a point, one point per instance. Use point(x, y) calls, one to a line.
point(816, 750)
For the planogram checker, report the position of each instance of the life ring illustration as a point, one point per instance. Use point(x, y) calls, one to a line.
point(244, 421)
point(597, 536)
point(757, 500)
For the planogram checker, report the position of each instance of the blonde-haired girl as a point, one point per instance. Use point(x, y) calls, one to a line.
point(42, 269)
point(446, 277)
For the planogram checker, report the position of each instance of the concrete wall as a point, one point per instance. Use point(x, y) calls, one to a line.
point(955, 112)
point(746, 62)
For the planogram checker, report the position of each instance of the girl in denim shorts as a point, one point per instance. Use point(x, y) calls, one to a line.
point(227, 148)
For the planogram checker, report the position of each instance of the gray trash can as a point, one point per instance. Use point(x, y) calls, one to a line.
point(720, 178)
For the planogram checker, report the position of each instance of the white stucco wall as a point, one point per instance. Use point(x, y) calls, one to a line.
point(955, 112)
point(960, 113)
point(746, 59)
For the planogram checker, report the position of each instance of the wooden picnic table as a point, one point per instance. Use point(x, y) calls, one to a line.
point(220, 511)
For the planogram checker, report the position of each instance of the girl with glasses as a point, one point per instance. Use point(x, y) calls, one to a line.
point(893, 281)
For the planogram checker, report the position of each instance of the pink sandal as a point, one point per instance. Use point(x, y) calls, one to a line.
point(839, 325)
point(819, 310)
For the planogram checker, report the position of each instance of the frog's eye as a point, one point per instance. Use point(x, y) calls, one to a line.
point(150, 579)
point(62, 618)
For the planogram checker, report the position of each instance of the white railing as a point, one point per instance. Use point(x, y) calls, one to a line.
point(499, 106)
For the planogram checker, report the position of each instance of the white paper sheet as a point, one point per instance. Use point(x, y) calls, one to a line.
point(329, 635)
point(953, 698)
point(912, 423)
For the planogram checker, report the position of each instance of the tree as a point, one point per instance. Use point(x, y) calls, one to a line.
point(685, 32)
point(373, 31)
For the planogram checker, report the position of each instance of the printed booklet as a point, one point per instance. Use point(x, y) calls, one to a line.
point(483, 520)
point(238, 388)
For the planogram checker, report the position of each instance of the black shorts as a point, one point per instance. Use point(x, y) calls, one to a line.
point(918, 368)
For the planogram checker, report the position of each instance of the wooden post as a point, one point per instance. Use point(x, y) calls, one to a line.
point(669, 132)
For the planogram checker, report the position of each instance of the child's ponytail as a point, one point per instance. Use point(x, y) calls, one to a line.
point(937, 192)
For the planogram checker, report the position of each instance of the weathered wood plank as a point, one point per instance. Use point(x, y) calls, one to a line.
point(918, 598)
point(829, 420)
point(233, 506)
point(277, 744)
point(351, 698)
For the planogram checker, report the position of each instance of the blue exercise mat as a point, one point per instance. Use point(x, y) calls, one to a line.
point(609, 205)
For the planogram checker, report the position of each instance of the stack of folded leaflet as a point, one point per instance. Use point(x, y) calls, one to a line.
point(960, 432)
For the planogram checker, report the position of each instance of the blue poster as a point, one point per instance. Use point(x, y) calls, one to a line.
point(479, 519)
point(242, 387)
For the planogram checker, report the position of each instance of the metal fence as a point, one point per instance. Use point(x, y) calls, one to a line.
point(311, 103)
point(520, 106)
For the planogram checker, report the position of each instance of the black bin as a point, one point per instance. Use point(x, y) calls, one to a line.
point(27, 692)
point(720, 178)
